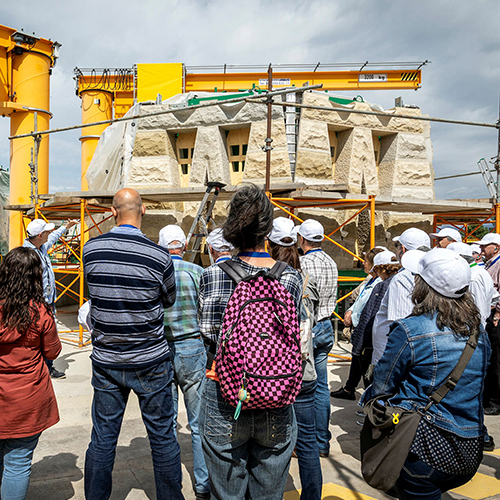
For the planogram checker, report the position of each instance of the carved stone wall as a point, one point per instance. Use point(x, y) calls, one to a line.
point(374, 155)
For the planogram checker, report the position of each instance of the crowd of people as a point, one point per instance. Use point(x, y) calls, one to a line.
point(160, 324)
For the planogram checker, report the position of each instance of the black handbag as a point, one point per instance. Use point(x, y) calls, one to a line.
point(388, 431)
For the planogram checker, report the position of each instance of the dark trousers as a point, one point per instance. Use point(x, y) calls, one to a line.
point(492, 379)
point(359, 365)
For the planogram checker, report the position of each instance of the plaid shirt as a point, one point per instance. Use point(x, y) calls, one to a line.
point(320, 265)
point(181, 321)
point(216, 287)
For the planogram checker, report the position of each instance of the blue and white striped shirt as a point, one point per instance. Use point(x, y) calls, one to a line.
point(130, 280)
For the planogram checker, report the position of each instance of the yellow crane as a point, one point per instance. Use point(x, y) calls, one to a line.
point(25, 65)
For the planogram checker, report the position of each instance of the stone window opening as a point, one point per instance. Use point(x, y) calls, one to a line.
point(332, 136)
point(184, 143)
point(376, 150)
point(237, 146)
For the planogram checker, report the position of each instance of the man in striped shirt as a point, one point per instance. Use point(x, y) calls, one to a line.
point(131, 280)
point(189, 356)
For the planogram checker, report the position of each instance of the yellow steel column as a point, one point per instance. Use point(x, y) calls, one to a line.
point(97, 105)
point(80, 267)
point(31, 87)
point(497, 218)
point(372, 221)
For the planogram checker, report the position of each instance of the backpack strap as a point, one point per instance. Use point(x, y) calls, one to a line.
point(277, 270)
point(233, 270)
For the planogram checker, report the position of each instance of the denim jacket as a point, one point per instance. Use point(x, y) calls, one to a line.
point(417, 360)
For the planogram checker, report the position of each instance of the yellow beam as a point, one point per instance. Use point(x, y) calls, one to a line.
point(331, 80)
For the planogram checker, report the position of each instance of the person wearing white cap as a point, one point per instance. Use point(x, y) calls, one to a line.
point(41, 237)
point(476, 253)
point(282, 240)
point(322, 267)
point(422, 351)
point(485, 297)
point(446, 236)
point(352, 318)
point(481, 286)
point(490, 250)
point(189, 356)
point(219, 248)
point(397, 303)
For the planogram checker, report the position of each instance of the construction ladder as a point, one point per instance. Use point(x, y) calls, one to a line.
point(488, 178)
point(203, 221)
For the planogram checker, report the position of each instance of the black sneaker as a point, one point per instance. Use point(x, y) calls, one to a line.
point(343, 394)
point(491, 410)
point(489, 445)
point(202, 496)
point(56, 374)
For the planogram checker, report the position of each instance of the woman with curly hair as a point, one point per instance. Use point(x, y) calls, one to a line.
point(27, 334)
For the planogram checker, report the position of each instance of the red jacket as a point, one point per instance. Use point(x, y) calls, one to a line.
point(27, 400)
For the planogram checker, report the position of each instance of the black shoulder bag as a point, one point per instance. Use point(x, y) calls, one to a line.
point(388, 431)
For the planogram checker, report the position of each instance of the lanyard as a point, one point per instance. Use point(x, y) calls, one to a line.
point(222, 259)
point(489, 264)
point(176, 257)
point(254, 254)
point(128, 225)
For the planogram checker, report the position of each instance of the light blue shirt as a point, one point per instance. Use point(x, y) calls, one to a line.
point(49, 279)
point(359, 304)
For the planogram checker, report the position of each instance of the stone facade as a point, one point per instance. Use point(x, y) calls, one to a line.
point(386, 156)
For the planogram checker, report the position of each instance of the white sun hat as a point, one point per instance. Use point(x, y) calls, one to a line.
point(312, 230)
point(385, 257)
point(447, 231)
point(283, 228)
point(461, 248)
point(413, 238)
point(172, 233)
point(442, 269)
point(488, 239)
point(37, 226)
point(218, 242)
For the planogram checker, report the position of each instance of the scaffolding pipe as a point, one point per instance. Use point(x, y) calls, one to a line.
point(386, 115)
point(168, 111)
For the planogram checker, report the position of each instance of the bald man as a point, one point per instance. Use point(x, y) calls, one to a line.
point(131, 280)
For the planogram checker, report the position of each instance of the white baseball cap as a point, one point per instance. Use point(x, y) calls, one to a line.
point(171, 233)
point(311, 230)
point(413, 238)
point(447, 231)
point(461, 248)
point(442, 269)
point(283, 228)
point(475, 249)
point(385, 257)
point(37, 226)
point(218, 242)
point(489, 238)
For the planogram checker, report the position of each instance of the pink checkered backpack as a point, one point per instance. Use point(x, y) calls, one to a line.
point(258, 359)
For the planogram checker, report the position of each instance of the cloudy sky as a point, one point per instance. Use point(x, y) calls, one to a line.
point(460, 38)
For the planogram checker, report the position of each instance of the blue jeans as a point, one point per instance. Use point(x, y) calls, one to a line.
point(307, 449)
point(420, 481)
point(15, 464)
point(322, 345)
point(248, 457)
point(112, 387)
point(189, 360)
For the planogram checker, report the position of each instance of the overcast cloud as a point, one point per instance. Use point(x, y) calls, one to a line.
point(459, 37)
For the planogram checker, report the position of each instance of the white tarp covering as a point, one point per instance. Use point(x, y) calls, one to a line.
point(111, 161)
